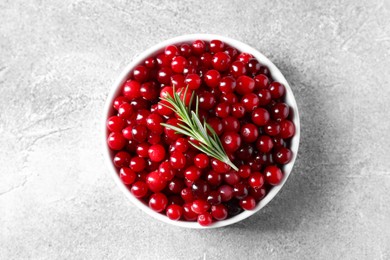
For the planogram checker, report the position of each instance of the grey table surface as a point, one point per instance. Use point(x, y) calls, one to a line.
point(58, 60)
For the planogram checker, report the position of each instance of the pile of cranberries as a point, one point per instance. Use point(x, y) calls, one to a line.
point(240, 101)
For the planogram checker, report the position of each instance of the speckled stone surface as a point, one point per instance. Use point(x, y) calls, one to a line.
point(58, 60)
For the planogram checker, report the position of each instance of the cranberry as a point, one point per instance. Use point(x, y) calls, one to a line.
point(153, 122)
point(238, 110)
point(176, 185)
point(187, 195)
point(192, 173)
point(249, 133)
point(227, 84)
point(193, 81)
point(139, 189)
point(205, 219)
point(282, 155)
point(163, 60)
point(200, 206)
point(141, 117)
point(273, 175)
point(232, 52)
point(170, 132)
point(205, 60)
point(221, 61)
point(277, 141)
point(272, 128)
point(245, 152)
point(280, 111)
point(240, 190)
point(155, 182)
point(116, 141)
point(231, 123)
point(277, 90)
point(244, 171)
point(245, 85)
point(201, 161)
point(257, 194)
point(119, 101)
point(188, 214)
point(216, 46)
point(264, 144)
point(206, 100)
point(171, 51)
point(139, 133)
point(216, 125)
point(237, 69)
point(265, 70)
point(150, 63)
point(125, 111)
point(174, 212)
point(140, 73)
point(287, 129)
point(248, 203)
point(131, 89)
point(214, 178)
point(177, 160)
point(250, 101)
point(244, 57)
point(219, 166)
point(198, 47)
point(166, 172)
point(261, 81)
point(260, 116)
point(182, 145)
point(264, 97)
point(122, 159)
point(178, 81)
point(231, 177)
point(127, 175)
point(226, 192)
point(231, 141)
point(154, 138)
point(158, 202)
point(256, 180)
point(156, 153)
point(178, 64)
point(214, 198)
point(212, 78)
point(164, 75)
point(115, 124)
point(219, 212)
point(185, 50)
point(222, 110)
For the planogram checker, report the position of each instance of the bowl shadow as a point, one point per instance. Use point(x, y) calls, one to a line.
point(302, 197)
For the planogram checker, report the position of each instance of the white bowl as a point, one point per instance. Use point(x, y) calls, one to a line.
point(242, 47)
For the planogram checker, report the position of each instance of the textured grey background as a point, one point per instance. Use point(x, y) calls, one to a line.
point(58, 60)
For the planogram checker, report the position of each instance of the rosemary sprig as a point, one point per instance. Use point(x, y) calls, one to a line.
point(191, 126)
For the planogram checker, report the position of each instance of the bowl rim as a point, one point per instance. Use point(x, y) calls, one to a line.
point(242, 47)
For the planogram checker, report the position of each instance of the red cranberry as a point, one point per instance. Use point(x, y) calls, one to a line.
point(198, 47)
point(178, 81)
point(155, 182)
point(171, 51)
point(187, 195)
point(278, 141)
point(141, 117)
point(244, 171)
point(222, 110)
point(245, 85)
point(166, 172)
point(237, 69)
point(139, 189)
point(139, 133)
point(153, 122)
point(200, 206)
point(226, 192)
point(164, 75)
point(273, 175)
point(261, 81)
point(115, 124)
point(264, 144)
point(253, 66)
point(158, 202)
point(221, 61)
point(240, 190)
point(174, 212)
point(238, 110)
point(264, 97)
point(193, 81)
point(232, 52)
point(256, 180)
point(131, 89)
point(140, 73)
point(250, 101)
point(127, 175)
point(182, 145)
point(122, 159)
point(201, 161)
point(260, 116)
point(287, 129)
point(216, 46)
point(150, 63)
point(162, 60)
point(116, 141)
point(280, 111)
point(205, 219)
point(156, 153)
point(216, 125)
point(227, 84)
point(231, 123)
point(176, 185)
point(248, 203)
point(282, 155)
point(188, 214)
point(206, 100)
point(119, 101)
point(214, 178)
point(219, 166)
point(212, 78)
point(125, 111)
point(231, 141)
point(219, 212)
point(185, 50)
point(272, 128)
point(245, 152)
point(214, 198)
point(178, 64)
point(200, 189)
point(257, 194)
point(192, 173)
point(170, 132)
point(265, 70)
point(231, 177)
point(205, 60)
point(277, 90)
point(249, 133)
point(177, 160)
point(244, 57)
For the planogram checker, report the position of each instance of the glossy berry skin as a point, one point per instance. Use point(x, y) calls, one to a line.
point(273, 175)
point(237, 69)
point(261, 81)
point(175, 185)
point(185, 50)
point(186, 194)
point(256, 180)
point(205, 219)
point(131, 89)
point(217, 46)
point(250, 101)
point(249, 133)
point(214, 178)
point(219, 212)
point(158, 202)
point(214, 198)
point(280, 111)
point(165, 171)
point(192, 173)
point(200, 206)
point(198, 47)
point(244, 171)
point(153, 123)
point(182, 145)
point(177, 160)
point(200, 189)
point(156, 153)
point(219, 166)
point(216, 124)
point(201, 161)
point(231, 177)
point(244, 57)
point(260, 116)
point(264, 97)
point(226, 192)
point(119, 101)
point(171, 51)
point(222, 110)
point(272, 128)
point(127, 175)
point(282, 155)
point(287, 129)
point(178, 64)
point(230, 123)
point(193, 81)
point(212, 78)
point(174, 212)
point(221, 61)
point(155, 182)
point(188, 214)
point(139, 133)
point(258, 194)
point(116, 141)
point(115, 124)
point(121, 159)
point(245, 85)
point(140, 73)
point(139, 189)
point(238, 110)
point(277, 90)
point(264, 143)
point(125, 110)
point(253, 66)
point(227, 84)
point(231, 141)
point(248, 203)
point(240, 190)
